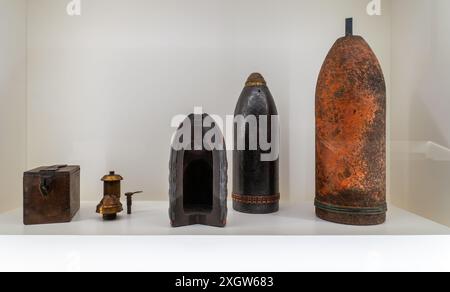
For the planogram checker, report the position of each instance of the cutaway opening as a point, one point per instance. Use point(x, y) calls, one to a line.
point(198, 182)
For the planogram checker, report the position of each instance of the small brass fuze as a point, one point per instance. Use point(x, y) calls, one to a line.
point(110, 205)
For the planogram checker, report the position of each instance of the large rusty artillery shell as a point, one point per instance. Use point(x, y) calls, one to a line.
point(351, 135)
point(255, 182)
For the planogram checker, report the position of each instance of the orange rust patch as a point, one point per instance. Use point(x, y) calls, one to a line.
point(351, 127)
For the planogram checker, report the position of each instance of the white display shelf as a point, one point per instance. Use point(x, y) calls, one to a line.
point(151, 219)
point(145, 242)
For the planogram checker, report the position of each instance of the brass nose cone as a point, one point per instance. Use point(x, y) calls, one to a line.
point(255, 79)
point(111, 177)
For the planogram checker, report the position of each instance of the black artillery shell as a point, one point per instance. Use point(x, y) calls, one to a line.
point(351, 136)
point(255, 182)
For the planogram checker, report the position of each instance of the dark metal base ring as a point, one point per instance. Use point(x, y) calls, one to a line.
point(256, 204)
point(351, 216)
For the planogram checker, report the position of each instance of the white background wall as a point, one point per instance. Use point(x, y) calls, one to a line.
point(420, 107)
point(13, 95)
point(104, 86)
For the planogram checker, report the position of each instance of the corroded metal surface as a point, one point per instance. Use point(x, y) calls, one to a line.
point(110, 205)
point(351, 135)
point(255, 182)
